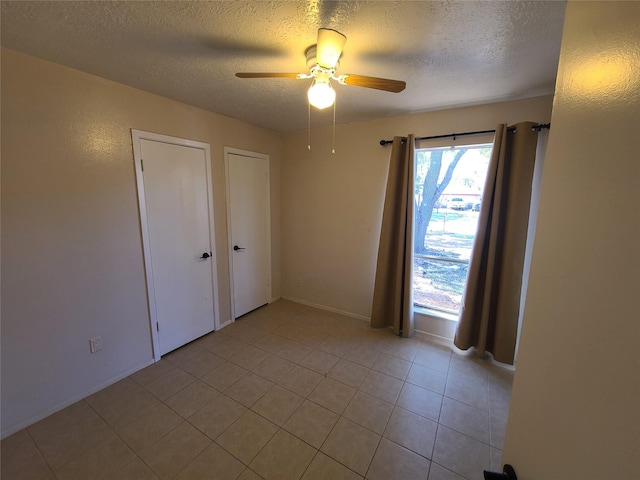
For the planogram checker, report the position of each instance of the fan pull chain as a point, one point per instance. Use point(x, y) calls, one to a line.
point(309, 128)
point(333, 141)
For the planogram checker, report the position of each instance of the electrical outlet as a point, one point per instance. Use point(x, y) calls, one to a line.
point(95, 344)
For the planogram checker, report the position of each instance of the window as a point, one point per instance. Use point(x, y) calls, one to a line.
point(448, 192)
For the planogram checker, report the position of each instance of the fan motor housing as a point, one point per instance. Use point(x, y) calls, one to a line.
point(311, 55)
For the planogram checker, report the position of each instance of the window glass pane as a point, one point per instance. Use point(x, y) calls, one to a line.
point(450, 234)
point(438, 284)
point(448, 193)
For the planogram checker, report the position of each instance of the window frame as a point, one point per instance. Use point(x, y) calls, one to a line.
point(478, 141)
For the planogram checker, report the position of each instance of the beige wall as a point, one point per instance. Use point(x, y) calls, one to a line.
point(575, 409)
point(72, 265)
point(332, 204)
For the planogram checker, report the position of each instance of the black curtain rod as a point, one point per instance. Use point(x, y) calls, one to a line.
point(540, 126)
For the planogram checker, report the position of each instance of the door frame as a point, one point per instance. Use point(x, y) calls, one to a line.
point(261, 156)
point(136, 137)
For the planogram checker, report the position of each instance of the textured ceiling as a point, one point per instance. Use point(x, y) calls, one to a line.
point(449, 53)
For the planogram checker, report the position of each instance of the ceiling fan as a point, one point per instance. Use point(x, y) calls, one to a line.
point(323, 60)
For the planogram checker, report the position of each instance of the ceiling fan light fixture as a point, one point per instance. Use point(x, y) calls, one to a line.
point(323, 59)
point(329, 47)
point(321, 95)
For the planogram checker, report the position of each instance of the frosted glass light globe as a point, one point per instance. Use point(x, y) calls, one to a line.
point(321, 95)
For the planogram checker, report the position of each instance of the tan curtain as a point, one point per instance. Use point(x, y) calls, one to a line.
point(393, 293)
point(491, 302)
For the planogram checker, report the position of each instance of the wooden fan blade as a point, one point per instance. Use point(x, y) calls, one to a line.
point(267, 75)
point(329, 47)
point(385, 84)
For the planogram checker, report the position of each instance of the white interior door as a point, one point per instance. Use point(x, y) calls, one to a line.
point(248, 213)
point(176, 211)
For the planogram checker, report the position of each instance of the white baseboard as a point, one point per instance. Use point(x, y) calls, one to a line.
point(329, 309)
point(222, 325)
point(430, 337)
point(10, 430)
point(442, 328)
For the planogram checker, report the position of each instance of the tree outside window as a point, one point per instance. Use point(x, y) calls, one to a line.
point(448, 193)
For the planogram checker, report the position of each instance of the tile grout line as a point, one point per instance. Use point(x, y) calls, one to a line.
point(49, 467)
point(300, 321)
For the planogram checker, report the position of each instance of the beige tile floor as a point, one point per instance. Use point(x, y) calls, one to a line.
point(286, 392)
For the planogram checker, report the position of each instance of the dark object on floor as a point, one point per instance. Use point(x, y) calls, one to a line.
point(508, 473)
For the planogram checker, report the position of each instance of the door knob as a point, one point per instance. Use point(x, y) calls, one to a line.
point(205, 255)
point(236, 248)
